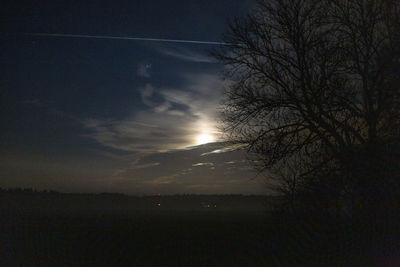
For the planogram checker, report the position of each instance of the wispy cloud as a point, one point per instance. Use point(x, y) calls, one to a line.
point(190, 172)
point(143, 69)
point(173, 119)
point(206, 164)
point(163, 139)
point(144, 166)
point(146, 94)
point(142, 132)
point(187, 55)
point(225, 149)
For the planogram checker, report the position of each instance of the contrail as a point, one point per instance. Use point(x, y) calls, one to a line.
point(127, 38)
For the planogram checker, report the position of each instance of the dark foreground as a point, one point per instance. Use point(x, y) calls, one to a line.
point(156, 237)
point(144, 239)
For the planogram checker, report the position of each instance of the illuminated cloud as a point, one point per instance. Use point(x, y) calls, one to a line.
point(188, 171)
point(225, 149)
point(174, 118)
point(206, 164)
point(142, 132)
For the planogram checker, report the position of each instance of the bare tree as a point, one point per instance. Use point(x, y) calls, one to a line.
point(317, 79)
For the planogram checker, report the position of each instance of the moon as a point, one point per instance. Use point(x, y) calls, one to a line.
point(204, 139)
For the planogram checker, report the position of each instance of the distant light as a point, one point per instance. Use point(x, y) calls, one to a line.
point(158, 204)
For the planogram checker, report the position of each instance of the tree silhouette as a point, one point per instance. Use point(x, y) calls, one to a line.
point(316, 85)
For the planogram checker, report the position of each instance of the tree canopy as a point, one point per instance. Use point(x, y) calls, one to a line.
point(316, 89)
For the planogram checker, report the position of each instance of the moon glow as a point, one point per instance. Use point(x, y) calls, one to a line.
point(204, 139)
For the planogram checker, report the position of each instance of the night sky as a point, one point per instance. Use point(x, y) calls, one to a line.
point(113, 115)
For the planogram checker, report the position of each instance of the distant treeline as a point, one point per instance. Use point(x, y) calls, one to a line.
point(17, 190)
point(18, 199)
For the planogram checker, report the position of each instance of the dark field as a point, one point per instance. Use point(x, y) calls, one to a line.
point(162, 238)
point(57, 230)
point(66, 232)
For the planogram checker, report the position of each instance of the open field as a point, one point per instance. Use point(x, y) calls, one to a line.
point(64, 232)
point(157, 238)
point(53, 235)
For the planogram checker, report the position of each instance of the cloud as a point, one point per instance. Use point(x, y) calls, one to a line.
point(149, 98)
point(173, 119)
point(144, 166)
point(143, 132)
point(164, 107)
point(187, 55)
point(143, 69)
point(201, 95)
point(176, 113)
point(163, 140)
point(146, 94)
point(207, 164)
point(225, 149)
point(187, 171)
